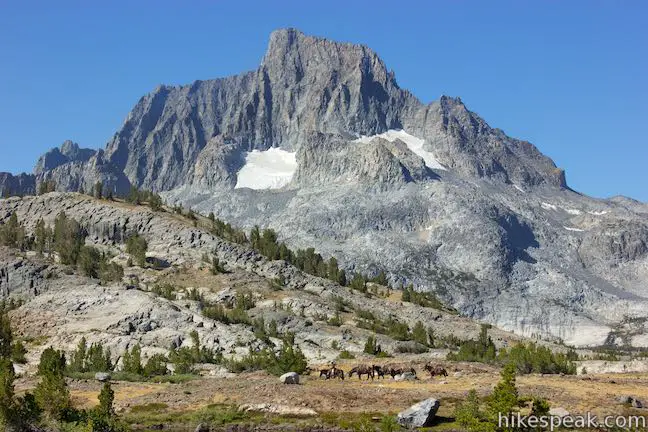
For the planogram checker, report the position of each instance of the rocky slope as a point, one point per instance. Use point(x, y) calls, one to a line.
point(429, 193)
point(61, 307)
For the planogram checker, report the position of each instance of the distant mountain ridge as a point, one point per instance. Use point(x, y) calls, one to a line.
point(384, 182)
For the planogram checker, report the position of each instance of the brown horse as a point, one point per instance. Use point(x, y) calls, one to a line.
point(336, 373)
point(378, 371)
point(436, 370)
point(332, 373)
point(362, 370)
point(393, 369)
point(396, 369)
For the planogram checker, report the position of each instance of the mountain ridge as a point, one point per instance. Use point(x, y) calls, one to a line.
point(347, 90)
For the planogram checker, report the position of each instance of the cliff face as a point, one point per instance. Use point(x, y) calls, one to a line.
point(368, 173)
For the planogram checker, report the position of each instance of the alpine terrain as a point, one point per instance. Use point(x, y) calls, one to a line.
point(321, 144)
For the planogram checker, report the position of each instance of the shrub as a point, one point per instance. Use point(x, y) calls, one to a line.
point(18, 352)
point(156, 365)
point(469, 415)
point(411, 348)
point(136, 247)
point(216, 267)
point(346, 355)
point(531, 358)
point(164, 290)
point(481, 350)
point(68, 238)
point(335, 320)
point(226, 316)
point(289, 359)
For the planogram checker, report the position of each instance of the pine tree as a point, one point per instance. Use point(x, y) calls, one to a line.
point(89, 261)
point(68, 239)
point(137, 246)
point(370, 345)
point(216, 267)
point(255, 238)
point(342, 280)
point(469, 415)
point(505, 395)
point(106, 399)
point(79, 356)
point(46, 187)
point(98, 190)
point(51, 393)
point(12, 233)
point(358, 283)
point(195, 347)
point(42, 236)
point(6, 336)
point(98, 359)
point(381, 279)
point(156, 365)
point(431, 337)
point(419, 334)
point(132, 361)
point(155, 202)
point(406, 295)
point(7, 400)
point(541, 407)
point(333, 271)
point(289, 359)
point(272, 329)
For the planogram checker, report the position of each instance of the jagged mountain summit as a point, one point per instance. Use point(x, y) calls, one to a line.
point(320, 143)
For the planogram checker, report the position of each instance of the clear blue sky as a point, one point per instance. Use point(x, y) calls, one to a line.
point(569, 76)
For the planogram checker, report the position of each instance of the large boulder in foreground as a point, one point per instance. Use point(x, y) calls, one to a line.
point(289, 378)
point(420, 414)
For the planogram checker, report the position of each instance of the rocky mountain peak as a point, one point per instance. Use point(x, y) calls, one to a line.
point(297, 54)
point(305, 85)
point(69, 148)
point(69, 151)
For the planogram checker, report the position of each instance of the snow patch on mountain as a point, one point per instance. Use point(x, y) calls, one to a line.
point(415, 144)
point(572, 211)
point(548, 206)
point(269, 169)
point(573, 229)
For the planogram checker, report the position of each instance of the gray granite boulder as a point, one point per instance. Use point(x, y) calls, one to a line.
point(419, 415)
